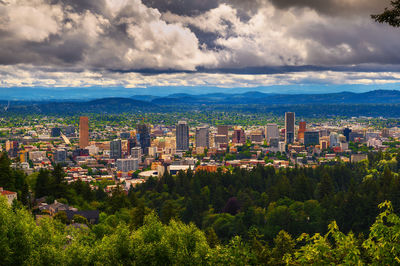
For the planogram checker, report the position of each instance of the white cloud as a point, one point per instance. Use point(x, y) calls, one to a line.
point(24, 76)
point(126, 35)
point(32, 20)
point(59, 45)
point(293, 36)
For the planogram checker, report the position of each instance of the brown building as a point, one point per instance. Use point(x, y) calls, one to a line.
point(83, 132)
point(207, 168)
point(302, 129)
point(11, 145)
point(257, 138)
point(223, 130)
point(385, 133)
point(239, 137)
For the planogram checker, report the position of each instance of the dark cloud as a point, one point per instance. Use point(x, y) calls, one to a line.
point(248, 7)
point(196, 36)
point(361, 43)
point(183, 7)
point(94, 34)
point(336, 7)
point(80, 6)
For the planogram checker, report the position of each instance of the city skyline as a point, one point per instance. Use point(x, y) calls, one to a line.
point(200, 132)
point(195, 167)
point(219, 45)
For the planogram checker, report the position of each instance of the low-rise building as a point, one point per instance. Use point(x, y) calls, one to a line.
point(355, 158)
point(10, 195)
point(126, 165)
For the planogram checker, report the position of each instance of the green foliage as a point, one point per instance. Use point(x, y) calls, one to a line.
point(271, 207)
point(212, 238)
point(283, 245)
point(61, 216)
point(80, 219)
point(390, 16)
point(333, 248)
point(382, 244)
point(49, 242)
point(13, 180)
point(235, 253)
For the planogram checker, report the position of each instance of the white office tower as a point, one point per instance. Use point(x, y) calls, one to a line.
point(182, 136)
point(126, 165)
point(282, 146)
point(136, 152)
point(203, 137)
point(93, 149)
point(271, 131)
point(333, 139)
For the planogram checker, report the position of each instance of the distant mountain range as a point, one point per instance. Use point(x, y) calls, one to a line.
point(373, 103)
point(97, 92)
point(105, 105)
point(377, 96)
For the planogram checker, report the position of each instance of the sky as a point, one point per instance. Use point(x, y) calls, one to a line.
point(171, 44)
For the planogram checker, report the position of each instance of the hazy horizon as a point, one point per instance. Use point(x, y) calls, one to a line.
point(43, 93)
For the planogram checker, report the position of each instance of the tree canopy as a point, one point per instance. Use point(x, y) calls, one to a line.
point(390, 16)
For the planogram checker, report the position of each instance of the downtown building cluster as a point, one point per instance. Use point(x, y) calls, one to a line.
point(130, 156)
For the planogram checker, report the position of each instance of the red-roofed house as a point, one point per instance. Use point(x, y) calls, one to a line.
point(9, 195)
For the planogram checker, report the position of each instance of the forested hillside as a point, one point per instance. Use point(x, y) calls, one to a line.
point(114, 241)
point(325, 215)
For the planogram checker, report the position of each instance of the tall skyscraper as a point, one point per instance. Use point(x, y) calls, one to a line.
point(346, 133)
point(272, 131)
point(302, 129)
point(131, 144)
point(202, 137)
point(239, 136)
point(289, 127)
point(115, 149)
point(182, 136)
point(143, 133)
point(83, 132)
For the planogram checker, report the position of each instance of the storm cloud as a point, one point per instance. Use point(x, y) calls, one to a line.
point(191, 36)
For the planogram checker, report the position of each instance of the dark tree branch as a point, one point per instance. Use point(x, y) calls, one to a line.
point(390, 16)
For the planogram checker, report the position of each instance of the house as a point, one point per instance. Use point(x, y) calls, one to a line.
point(55, 207)
point(91, 215)
point(207, 168)
point(9, 195)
